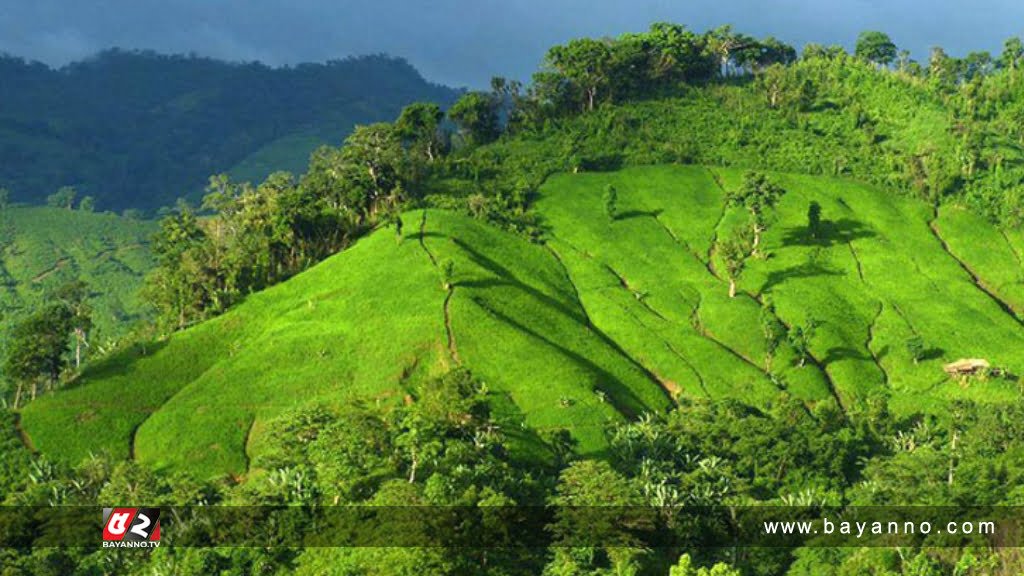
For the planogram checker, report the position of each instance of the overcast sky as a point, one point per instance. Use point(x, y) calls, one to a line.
point(465, 42)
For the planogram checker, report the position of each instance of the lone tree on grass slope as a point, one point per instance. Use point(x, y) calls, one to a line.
point(611, 201)
point(759, 196)
point(734, 251)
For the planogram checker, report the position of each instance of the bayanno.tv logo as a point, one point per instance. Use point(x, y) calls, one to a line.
point(131, 527)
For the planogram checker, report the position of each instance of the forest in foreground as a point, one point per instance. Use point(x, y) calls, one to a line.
point(676, 270)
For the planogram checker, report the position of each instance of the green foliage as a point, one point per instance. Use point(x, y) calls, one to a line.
point(685, 568)
point(734, 250)
point(875, 47)
point(604, 365)
point(63, 198)
point(476, 114)
point(45, 249)
point(611, 201)
point(800, 338)
point(814, 220)
point(87, 204)
point(915, 348)
point(39, 343)
point(141, 129)
point(758, 196)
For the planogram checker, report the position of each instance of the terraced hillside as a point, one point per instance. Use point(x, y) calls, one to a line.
point(41, 248)
point(603, 322)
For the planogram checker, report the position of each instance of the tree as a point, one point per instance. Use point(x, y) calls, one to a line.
point(814, 219)
point(1013, 53)
point(587, 64)
point(417, 126)
point(36, 348)
point(773, 332)
point(775, 81)
point(734, 251)
point(915, 348)
point(374, 164)
point(800, 339)
point(5, 198)
point(875, 47)
point(62, 198)
point(175, 287)
point(447, 274)
point(611, 200)
point(476, 114)
point(74, 296)
point(87, 204)
point(685, 568)
point(759, 196)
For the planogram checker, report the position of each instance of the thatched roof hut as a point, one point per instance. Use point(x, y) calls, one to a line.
point(967, 367)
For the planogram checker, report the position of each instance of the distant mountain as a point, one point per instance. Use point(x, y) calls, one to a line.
point(140, 129)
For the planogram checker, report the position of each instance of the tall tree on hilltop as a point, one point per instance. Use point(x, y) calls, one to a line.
point(62, 198)
point(417, 127)
point(588, 65)
point(1012, 55)
point(476, 114)
point(875, 47)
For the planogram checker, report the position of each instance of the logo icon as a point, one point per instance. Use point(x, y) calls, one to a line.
point(131, 527)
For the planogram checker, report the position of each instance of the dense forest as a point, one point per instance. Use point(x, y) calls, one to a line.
point(139, 129)
point(800, 240)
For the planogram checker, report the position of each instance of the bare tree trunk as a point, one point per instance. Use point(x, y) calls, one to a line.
point(757, 240)
point(17, 395)
point(732, 287)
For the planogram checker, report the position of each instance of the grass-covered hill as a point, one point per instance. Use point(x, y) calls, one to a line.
point(137, 129)
point(603, 322)
point(43, 248)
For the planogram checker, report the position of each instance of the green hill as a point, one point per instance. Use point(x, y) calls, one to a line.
point(607, 320)
point(140, 129)
point(43, 248)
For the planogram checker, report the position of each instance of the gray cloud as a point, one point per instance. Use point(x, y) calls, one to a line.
point(465, 42)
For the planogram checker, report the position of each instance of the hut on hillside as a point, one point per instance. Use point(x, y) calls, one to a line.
point(967, 367)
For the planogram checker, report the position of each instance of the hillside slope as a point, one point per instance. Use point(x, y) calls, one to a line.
point(607, 320)
point(42, 248)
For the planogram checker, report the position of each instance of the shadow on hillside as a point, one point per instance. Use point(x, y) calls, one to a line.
point(624, 400)
point(118, 363)
point(808, 270)
point(832, 232)
point(505, 277)
point(630, 214)
point(839, 353)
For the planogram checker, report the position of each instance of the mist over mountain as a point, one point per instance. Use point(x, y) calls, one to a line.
point(137, 129)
